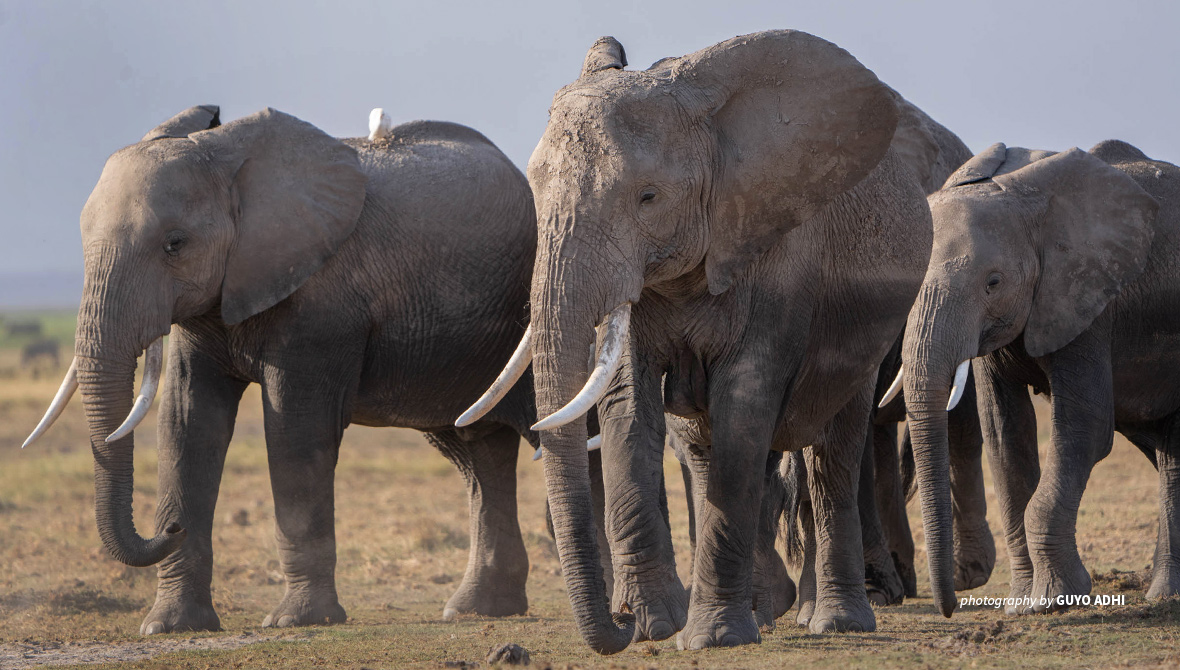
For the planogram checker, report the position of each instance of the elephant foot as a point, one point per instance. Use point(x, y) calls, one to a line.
point(883, 586)
point(773, 601)
point(1058, 579)
point(659, 612)
point(842, 615)
point(975, 557)
point(306, 607)
point(172, 615)
point(909, 578)
point(718, 627)
point(806, 611)
point(1165, 581)
point(487, 597)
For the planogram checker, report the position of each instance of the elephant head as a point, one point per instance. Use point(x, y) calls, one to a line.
point(196, 218)
point(1028, 244)
point(679, 175)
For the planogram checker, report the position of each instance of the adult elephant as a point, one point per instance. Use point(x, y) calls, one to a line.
point(738, 217)
point(371, 282)
point(1055, 271)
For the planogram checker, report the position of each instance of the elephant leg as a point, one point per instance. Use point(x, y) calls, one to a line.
point(883, 584)
point(804, 525)
point(497, 566)
point(196, 422)
point(1082, 434)
point(1009, 426)
point(690, 503)
point(975, 548)
point(1165, 578)
point(631, 417)
point(721, 605)
point(891, 506)
point(303, 434)
point(833, 473)
point(774, 591)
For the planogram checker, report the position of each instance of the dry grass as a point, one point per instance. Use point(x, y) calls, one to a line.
point(402, 537)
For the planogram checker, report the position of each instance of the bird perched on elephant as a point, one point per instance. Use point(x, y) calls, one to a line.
point(1055, 271)
point(377, 283)
point(748, 246)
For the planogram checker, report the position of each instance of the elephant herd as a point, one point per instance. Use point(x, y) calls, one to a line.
point(731, 253)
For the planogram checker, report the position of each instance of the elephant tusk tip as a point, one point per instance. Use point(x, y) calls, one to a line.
point(537, 454)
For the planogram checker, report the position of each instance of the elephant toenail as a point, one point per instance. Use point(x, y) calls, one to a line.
point(699, 642)
point(286, 621)
point(154, 628)
point(660, 630)
point(450, 613)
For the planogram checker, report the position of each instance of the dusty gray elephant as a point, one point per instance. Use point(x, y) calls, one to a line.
point(1055, 271)
point(726, 212)
point(369, 282)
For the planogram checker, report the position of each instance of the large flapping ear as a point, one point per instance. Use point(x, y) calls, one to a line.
point(1095, 238)
point(191, 120)
point(298, 194)
point(798, 120)
point(606, 54)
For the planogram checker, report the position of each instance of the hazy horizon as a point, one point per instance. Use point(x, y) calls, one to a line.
point(86, 78)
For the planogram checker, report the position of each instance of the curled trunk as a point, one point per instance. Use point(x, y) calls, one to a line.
point(107, 397)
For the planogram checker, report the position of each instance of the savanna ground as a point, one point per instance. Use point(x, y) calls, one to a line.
point(401, 514)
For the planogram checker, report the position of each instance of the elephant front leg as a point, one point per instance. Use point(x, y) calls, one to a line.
point(720, 607)
point(631, 418)
point(1165, 577)
point(1083, 431)
point(498, 565)
point(833, 473)
point(891, 506)
point(883, 584)
point(774, 591)
point(1009, 426)
point(975, 548)
point(196, 422)
point(303, 443)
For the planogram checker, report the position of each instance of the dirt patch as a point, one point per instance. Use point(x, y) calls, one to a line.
point(19, 655)
point(977, 638)
point(1121, 580)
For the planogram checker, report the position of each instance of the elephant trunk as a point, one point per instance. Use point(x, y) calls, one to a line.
point(106, 395)
point(930, 363)
point(118, 315)
point(563, 336)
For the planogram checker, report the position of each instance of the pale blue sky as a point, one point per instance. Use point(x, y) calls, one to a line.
point(79, 80)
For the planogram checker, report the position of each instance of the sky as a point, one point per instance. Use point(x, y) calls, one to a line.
point(79, 80)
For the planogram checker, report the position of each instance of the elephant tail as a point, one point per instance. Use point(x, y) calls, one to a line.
point(794, 478)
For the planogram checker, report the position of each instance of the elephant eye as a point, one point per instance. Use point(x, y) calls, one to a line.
point(173, 243)
point(993, 281)
point(647, 196)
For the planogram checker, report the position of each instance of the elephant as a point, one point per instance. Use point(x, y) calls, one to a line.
point(737, 229)
point(356, 281)
point(1054, 271)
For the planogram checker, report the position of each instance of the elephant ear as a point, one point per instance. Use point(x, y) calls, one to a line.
point(298, 194)
point(992, 162)
point(605, 54)
point(191, 120)
point(1095, 239)
point(798, 122)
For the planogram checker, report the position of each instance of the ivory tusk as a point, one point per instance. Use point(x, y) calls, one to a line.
point(894, 388)
point(960, 383)
point(591, 444)
point(153, 362)
point(68, 386)
point(609, 358)
point(512, 371)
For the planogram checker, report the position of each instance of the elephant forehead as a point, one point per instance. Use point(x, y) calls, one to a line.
point(140, 183)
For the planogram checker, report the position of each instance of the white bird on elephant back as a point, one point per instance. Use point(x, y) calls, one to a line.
point(380, 124)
